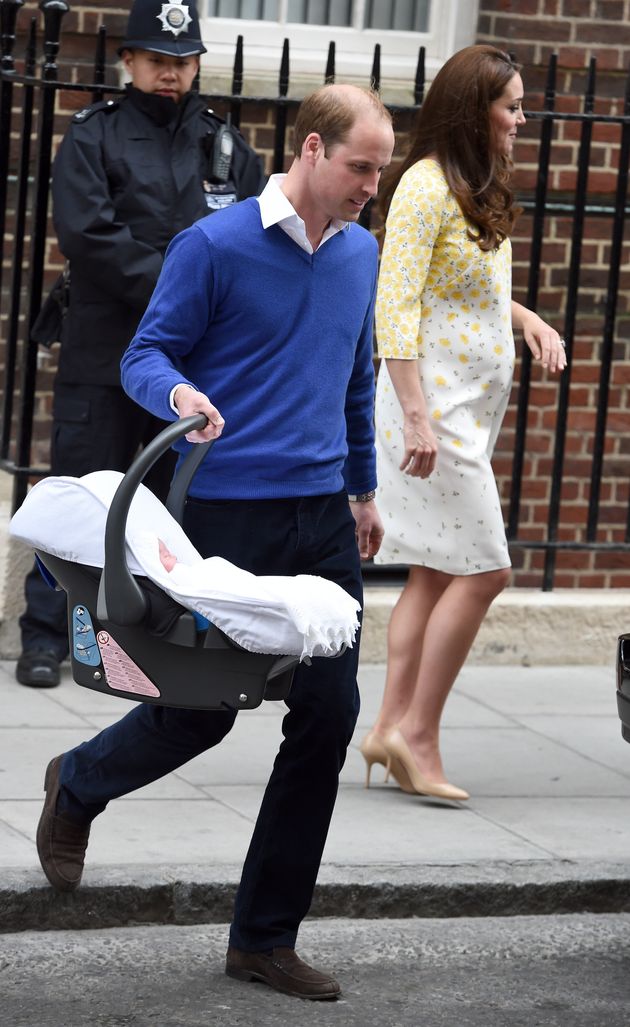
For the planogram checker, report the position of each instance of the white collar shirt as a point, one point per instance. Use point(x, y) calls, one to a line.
point(276, 209)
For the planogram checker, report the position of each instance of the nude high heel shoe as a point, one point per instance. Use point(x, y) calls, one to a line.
point(373, 751)
point(398, 750)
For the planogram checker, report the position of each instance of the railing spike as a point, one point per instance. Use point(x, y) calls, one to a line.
point(375, 77)
point(329, 74)
point(420, 79)
point(283, 82)
point(550, 86)
point(237, 70)
point(589, 94)
point(53, 11)
point(8, 17)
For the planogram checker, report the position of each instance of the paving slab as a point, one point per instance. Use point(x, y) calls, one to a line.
point(512, 690)
point(595, 737)
point(16, 846)
point(546, 828)
point(581, 829)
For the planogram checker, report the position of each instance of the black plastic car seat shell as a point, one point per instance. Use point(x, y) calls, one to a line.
point(119, 646)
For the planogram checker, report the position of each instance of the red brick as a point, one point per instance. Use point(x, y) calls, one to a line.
point(573, 8)
point(536, 29)
point(590, 581)
point(611, 514)
point(619, 490)
point(501, 465)
point(599, 156)
point(576, 445)
point(521, 7)
point(543, 396)
point(527, 580)
point(254, 114)
point(70, 101)
point(568, 104)
point(576, 559)
point(570, 56)
point(564, 579)
point(539, 489)
point(602, 32)
point(611, 560)
point(526, 153)
point(610, 59)
point(602, 181)
point(532, 533)
point(621, 374)
point(570, 490)
point(115, 24)
point(569, 131)
point(618, 421)
point(611, 10)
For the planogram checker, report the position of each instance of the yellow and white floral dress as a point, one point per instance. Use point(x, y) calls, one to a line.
point(445, 302)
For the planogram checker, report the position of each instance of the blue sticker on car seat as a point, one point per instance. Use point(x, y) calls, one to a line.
point(84, 645)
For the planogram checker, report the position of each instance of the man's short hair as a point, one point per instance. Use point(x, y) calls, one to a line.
point(332, 111)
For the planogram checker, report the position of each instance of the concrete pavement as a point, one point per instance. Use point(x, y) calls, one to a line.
point(546, 829)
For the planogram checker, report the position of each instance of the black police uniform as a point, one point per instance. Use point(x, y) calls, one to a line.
point(129, 175)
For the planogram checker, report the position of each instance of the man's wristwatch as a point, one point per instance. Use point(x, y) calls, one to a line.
point(363, 497)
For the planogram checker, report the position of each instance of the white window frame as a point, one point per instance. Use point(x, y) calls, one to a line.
point(452, 25)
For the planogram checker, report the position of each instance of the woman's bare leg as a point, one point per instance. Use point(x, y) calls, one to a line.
point(449, 632)
point(405, 636)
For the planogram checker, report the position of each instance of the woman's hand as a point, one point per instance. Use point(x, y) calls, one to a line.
point(420, 449)
point(543, 340)
point(419, 442)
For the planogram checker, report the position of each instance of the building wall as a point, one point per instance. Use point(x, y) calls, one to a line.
point(577, 30)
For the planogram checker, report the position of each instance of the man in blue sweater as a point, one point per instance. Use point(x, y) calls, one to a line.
point(262, 321)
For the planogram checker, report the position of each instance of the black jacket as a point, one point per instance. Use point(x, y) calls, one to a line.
point(129, 175)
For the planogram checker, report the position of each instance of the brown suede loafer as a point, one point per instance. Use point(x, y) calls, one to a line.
point(283, 970)
point(61, 842)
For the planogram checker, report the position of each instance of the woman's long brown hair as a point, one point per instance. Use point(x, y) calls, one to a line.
point(453, 125)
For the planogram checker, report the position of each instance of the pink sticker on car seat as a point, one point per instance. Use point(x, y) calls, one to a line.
point(120, 670)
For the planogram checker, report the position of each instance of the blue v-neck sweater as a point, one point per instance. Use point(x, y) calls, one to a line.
point(280, 340)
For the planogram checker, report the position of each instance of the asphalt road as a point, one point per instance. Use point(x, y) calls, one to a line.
point(566, 971)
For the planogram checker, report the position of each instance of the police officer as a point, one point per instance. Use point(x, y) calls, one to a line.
point(129, 175)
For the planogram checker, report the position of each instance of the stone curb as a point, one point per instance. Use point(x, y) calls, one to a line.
point(525, 627)
point(133, 896)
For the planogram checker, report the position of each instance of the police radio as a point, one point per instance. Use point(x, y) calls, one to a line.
point(222, 152)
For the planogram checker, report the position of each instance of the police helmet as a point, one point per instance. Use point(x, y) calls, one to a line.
point(168, 28)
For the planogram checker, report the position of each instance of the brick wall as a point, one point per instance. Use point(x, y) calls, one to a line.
point(532, 29)
point(576, 30)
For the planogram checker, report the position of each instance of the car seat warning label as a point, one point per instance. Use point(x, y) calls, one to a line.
point(121, 672)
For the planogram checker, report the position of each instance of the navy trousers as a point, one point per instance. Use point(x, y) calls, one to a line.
point(288, 536)
point(95, 428)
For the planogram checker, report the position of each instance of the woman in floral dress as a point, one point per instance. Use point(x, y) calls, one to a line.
point(444, 324)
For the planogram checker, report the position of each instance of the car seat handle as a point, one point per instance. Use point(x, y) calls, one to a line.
point(120, 599)
point(180, 484)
